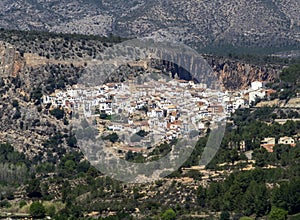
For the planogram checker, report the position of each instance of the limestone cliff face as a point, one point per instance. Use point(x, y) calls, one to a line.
point(10, 60)
point(229, 74)
point(234, 75)
point(24, 122)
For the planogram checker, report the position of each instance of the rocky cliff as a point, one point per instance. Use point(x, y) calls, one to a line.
point(230, 74)
point(235, 75)
point(24, 122)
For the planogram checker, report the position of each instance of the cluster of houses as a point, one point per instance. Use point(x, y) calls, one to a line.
point(270, 142)
point(166, 109)
point(246, 98)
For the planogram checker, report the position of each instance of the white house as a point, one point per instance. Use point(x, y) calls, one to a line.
point(71, 92)
point(201, 125)
point(286, 140)
point(87, 110)
point(115, 127)
point(256, 85)
point(239, 102)
point(106, 107)
point(48, 99)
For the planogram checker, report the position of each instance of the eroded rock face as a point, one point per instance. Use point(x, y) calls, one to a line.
point(235, 75)
point(24, 122)
point(230, 74)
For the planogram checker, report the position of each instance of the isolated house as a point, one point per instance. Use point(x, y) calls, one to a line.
point(287, 140)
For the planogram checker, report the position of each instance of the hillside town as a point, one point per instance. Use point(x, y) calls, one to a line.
point(165, 108)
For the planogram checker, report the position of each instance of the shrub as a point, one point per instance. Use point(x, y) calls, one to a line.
point(278, 214)
point(168, 215)
point(22, 203)
point(37, 210)
point(58, 113)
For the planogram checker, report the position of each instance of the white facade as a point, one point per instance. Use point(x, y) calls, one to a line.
point(256, 85)
point(286, 140)
point(239, 102)
point(256, 94)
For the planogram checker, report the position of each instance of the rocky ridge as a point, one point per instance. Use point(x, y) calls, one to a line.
point(273, 23)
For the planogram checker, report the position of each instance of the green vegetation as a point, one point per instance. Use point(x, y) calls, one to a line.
point(135, 157)
point(68, 187)
point(294, 217)
point(291, 74)
point(253, 55)
point(58, 113)
point(246, 218)
point(37, 210)
point(36, 94)
point(142, 133)
point(277, 214)
point(250, 128)
point(288, 84)
point(22, 203)
point(13, 166)
point(225, 215)
point(104, 116)
point(40, 35)
point(112, 137)
point(168, 215)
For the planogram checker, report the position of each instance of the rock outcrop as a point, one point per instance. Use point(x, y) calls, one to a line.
point(11, 62)
point(235, 75)
point(25, 123)
point(230, 74)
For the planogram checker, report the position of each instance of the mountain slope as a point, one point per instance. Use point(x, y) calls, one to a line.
point(258, 22)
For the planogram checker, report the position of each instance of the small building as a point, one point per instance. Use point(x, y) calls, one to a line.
point(239, 103)
point(287, 140)
point(105, 107)
point(256, 85)
point(115, 127)
point(268, 144)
